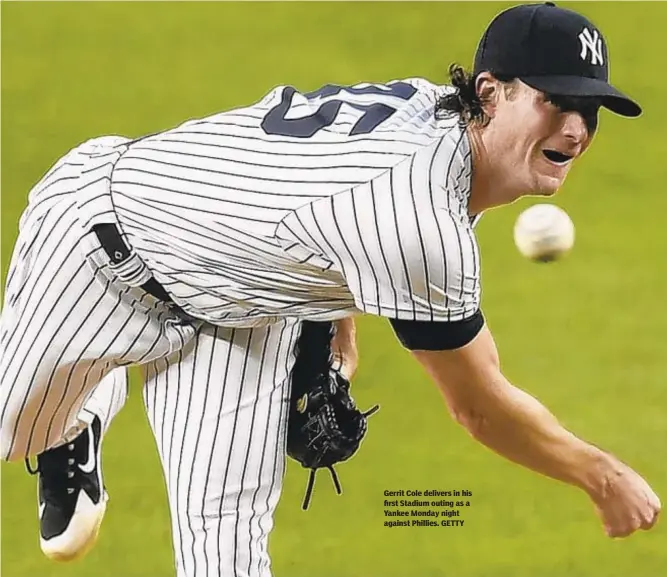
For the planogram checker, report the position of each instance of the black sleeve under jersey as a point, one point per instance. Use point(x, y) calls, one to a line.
point(437, 335)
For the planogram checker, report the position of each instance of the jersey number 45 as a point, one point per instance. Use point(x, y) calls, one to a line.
point(373, 114)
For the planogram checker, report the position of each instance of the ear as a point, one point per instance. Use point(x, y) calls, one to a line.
point(488, 90)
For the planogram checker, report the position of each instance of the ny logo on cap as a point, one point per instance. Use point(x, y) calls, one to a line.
point(593, 43)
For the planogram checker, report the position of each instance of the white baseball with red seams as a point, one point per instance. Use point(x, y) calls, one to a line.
point(544, 232)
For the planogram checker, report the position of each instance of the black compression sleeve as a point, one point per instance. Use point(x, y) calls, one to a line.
point(437, 335)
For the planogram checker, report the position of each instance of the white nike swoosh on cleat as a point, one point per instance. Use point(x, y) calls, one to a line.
point(89, 465)
point(42, 506)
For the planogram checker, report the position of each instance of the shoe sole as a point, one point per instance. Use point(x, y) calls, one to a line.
point(65, 549)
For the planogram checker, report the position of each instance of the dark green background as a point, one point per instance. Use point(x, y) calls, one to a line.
point(586, 335)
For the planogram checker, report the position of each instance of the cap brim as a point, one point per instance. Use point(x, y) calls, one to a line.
point(612, 98)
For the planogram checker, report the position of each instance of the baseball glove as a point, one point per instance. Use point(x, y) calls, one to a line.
point(324, 427)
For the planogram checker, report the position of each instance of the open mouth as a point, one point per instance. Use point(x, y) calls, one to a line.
point(557, 157)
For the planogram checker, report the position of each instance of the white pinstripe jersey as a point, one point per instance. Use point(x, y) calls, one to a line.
point(316, 205)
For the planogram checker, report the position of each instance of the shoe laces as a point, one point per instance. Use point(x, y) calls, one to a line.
point(57, 471)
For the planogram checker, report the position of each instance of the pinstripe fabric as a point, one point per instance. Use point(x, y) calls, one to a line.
point(218, 411)
point(107, 399)
point(354, 200)
point(244, 227)
point(410, 252)
point(67, 320)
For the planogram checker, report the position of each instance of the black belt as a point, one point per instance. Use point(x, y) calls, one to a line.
point(118, 251)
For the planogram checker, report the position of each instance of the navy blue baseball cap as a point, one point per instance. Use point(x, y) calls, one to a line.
point(554, 50)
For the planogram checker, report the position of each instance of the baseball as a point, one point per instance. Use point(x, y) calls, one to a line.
point(544, 232)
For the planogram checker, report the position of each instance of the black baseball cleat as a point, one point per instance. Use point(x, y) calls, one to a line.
point(71, 495)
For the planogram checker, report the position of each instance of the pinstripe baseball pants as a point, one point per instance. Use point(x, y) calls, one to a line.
point(216, 397)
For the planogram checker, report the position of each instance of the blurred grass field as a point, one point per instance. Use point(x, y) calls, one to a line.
point(586, 335)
